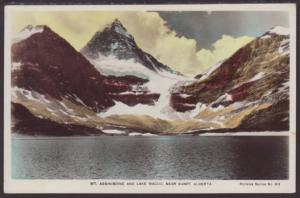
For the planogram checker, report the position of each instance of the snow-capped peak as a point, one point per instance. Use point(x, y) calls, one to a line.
point(279, 30)
point(116, 41)
point(27, 32)
point(119, 28)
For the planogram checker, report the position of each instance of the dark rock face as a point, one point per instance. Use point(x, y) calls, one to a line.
point(183, 104)
point(275, 118)
point(115, 40)
point(120, 89)
point(50, 65)
point(24, 122)
point(198, 76)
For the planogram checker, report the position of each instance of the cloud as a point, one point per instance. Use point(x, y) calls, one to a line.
point(148, 28)
point(222, 49)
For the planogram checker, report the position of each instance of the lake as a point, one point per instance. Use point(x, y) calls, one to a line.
point(155, 157)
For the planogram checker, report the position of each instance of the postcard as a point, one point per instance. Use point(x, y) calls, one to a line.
point(150, 98)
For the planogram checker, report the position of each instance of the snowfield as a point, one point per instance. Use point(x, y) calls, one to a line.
point(159, 82)
point(280, 30)
point(26, 33)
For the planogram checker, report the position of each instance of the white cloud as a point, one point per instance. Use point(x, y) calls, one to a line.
point(222, 49)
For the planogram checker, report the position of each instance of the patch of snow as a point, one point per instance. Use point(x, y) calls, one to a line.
point(280, 30)
point(139, 88)
point(265, 36)
point(140, 109)
point(188, 105)
point(268, 93)
point(79, 100)
point(122, 31)
point(135, 134)
point(26, 33)
point(63, 112)
point(141, 134)
point(16, 66)
point(149, 59)
point(187, 115)
point(191, 131)
point(113, 131)
point(284, 47)
point(182, 83)
point(149, 134)
point(224, 97)
point(211, 69)
point(114, 46)
point(110, 65)
point(284, 87)
point(130, 93)
point(53, 106)
point(184, 95)
point(173, 76)
point(45, 99)
point(257, 76)
point(67, 109)
point(30, 95)
point(78, 117)
point(238, 105)
point(228, 97)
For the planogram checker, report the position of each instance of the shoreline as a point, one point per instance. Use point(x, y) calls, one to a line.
point(212, 134)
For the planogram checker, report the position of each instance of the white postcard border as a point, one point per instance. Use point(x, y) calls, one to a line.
point(203, 186)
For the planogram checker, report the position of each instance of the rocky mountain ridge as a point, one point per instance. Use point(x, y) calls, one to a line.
point(54, 85)
point(256, 74)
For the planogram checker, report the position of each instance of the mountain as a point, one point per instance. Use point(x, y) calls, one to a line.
point(116, 41)
point(247, 91)
point(57, 90)
point(44, 65)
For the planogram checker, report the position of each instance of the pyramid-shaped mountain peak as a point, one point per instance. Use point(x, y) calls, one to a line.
point(117, 28)
point(30, 30)
point(115, 40)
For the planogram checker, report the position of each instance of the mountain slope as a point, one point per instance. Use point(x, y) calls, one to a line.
point(46, 67)
point(50, 65)
point(257, 74)
point(55, 87)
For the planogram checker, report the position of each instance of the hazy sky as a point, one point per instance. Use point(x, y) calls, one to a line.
point(189, 42)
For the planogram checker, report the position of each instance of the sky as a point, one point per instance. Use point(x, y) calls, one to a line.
point(188, 41)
